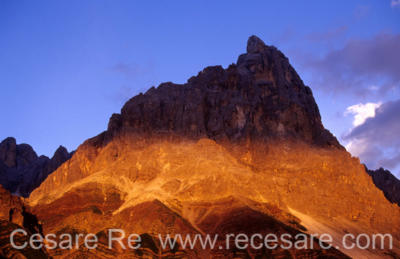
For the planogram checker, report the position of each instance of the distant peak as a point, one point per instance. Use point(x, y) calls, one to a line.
point(255, 44)
point(61, 153)
point(62, 149)
point(9, 140)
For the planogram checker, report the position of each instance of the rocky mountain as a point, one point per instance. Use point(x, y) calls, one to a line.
point(387, 182)
point(22, 170)
point(235, 150)
point(260, 97)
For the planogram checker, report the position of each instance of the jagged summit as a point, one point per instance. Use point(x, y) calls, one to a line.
point(387, 182)
point(61, 152)
point(255, 45)
point(13, 155)
point(22, 170)
point(260, 97)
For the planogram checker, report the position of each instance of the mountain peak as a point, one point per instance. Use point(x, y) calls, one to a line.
point(9, 140)
point(387, 182)
point(8, 149)
point(255, 44)
point(261, 97)
point(60, 156)
point(21, 170)
point(226, 152)
point(61, 150)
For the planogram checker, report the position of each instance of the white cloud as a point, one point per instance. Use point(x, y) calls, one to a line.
point(373, 88)
point(357, 147)
point(395, 3)
point(362, 112)
point(376, 141)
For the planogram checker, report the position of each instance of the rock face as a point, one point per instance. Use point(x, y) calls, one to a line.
point(261, 97)
point(21, 170)
point(236, 150)
point(10, 202)
point(13, 215)
point(6, 249)
point(388, 183)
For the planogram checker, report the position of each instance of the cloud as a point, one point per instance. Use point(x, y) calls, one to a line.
point(391, 162)
point(327, 35)
point(377, 140)
point(362, 112)
point(133, 70)
point(395, 3)
point(129, 70)
point(360, 66)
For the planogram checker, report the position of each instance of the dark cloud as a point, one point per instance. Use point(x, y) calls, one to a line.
point(377, 140)
point(361, 66)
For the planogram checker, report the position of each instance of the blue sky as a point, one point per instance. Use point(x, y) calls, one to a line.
point(66, 66)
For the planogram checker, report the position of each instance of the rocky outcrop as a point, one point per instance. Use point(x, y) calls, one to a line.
point(8, 151)
point(10, 207)
point(260, 97)
point(14, 215)
point(21, 170)
point(233, 150)
point(387, 182)
point(14, 210)
point(7, 250)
